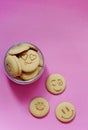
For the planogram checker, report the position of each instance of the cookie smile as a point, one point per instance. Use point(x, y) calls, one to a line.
point(57, 90)
point(69, 116)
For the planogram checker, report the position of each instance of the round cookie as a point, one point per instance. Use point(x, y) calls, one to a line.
point(33, 47)
point(55, 84)
point(65, 112)
point(29, 75)
point(21, 47)
point(29, 60)
point(39, 107)
point(13, 66)
point(39, 69)
point(40, 60)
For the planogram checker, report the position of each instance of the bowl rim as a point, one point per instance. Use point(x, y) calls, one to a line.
point(24, 82)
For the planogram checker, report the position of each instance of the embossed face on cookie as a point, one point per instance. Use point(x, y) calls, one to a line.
point(29, 57)
point(40, 106)
point(29, 60)
point(57, 84)
point(65, 112)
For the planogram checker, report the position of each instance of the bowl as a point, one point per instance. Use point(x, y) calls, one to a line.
point(12, 53)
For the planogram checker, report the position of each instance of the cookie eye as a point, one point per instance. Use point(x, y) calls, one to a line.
point(53, 82)
point(67, 108)
point(24, 56)
point(59, 81)
point(32, 56)
point(63, 111)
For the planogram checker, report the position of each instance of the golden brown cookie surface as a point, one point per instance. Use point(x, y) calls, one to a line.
point(19, 48)
point(29, 60)
point(13, 66)
point(65, 112)
point(39, 107)
point(55, 83)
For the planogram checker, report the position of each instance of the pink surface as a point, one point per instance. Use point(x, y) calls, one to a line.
point(60, 29)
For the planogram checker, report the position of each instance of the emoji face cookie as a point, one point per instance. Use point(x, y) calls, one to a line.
point(13, 66)
point(29, 60)
point(39, 107)
point(55, 84)
point(65, 112)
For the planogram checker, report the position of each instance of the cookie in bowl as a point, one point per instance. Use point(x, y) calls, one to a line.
point(24, 63)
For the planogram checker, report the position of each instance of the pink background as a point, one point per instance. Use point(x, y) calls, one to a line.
point(60, 29)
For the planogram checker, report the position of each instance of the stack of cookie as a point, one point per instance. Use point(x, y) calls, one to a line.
point(24, 61)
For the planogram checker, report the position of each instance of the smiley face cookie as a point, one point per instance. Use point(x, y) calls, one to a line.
point(39, 107)
point(55, 83)
point(13, 66)
point(65, 112)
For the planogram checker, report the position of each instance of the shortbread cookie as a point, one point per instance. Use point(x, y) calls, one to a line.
point(55, 84)
point(39, 69)
point(40, 60)
point(13, 66)
point(29, 60)
point(29, 75)
point(39, 107)
point(65, 112)
point(32, 47)
point(21, 47)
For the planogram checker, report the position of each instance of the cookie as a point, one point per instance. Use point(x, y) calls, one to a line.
point(55, 84)
point(30, 75)
point(19, 48)
point(39, 107)
point(39, 69)
point(40, 60)
point(29, 60)
point(32, 47)
point(13, 66)
point(65, 112)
